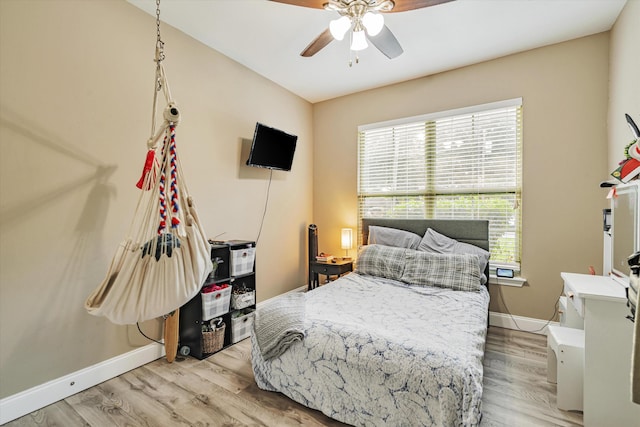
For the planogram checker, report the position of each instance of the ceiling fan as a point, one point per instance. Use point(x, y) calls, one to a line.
point(364, 19)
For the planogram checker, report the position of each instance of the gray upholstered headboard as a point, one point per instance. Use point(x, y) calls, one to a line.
point(475, 232)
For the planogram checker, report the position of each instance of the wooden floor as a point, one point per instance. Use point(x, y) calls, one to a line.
point(220, 391)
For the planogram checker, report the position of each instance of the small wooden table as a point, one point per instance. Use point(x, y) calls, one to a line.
point(337, 268)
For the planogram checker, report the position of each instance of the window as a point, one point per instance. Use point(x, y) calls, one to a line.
point(458, 164)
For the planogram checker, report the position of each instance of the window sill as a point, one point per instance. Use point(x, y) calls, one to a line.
point(518, 282)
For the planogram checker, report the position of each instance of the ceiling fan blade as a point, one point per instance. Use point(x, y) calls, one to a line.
point(387, 43)
point(404, 5)
point(317, 44)
point(316, 4)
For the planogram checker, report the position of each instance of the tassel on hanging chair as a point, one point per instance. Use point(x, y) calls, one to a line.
point(165, 258)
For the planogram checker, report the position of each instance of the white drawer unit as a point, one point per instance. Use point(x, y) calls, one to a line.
point(575, 303)
point(580, 288)
point(565, 365)
point(569, 316)
point(600, 302)
point(565, 355)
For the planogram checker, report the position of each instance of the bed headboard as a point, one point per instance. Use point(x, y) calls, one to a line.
point(474, 231)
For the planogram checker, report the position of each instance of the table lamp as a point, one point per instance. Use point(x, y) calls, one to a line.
point(347, 241)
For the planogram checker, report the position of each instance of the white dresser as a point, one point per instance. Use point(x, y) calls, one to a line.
point(601, 302)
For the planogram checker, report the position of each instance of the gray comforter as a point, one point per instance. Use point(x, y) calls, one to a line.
point(378, 352)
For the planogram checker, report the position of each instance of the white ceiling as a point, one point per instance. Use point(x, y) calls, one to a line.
point(268, 37)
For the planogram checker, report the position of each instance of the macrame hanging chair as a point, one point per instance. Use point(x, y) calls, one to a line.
point(165, 258)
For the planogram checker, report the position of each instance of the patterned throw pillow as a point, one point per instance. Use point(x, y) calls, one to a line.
point(439, 243)
point(459, 272)
point(381, 261)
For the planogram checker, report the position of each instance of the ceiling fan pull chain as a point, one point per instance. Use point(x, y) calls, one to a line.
point(352, 52)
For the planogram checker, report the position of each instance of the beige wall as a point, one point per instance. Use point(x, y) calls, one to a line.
point(564, 91)
point(624, 83)
point(76, 81)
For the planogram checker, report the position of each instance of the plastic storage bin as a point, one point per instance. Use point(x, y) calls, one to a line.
point(242, 261)
point(241, 325)
point(215, 303)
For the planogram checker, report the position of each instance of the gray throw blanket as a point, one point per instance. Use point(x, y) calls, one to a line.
point(280, 323)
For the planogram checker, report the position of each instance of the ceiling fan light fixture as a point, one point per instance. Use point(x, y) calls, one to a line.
point(333, 5)
point(373, 22)
point(359, 41)
point(339, 27)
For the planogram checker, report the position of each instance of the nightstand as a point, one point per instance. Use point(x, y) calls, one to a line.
point(328, 269)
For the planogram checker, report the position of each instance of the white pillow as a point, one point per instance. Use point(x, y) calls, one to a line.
point(439, 243)
point(393, 237)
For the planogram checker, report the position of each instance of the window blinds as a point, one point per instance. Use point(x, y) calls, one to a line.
point(459, 164)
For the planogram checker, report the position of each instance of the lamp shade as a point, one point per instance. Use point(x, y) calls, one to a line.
point(359, 41)
point(347, 238)
point(338, 27)
point(373, 22)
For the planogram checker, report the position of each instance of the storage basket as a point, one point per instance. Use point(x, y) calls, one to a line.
point(215, 303)
point(241, 326)
point(214, 340)
point(242, 261)
point(243, 300)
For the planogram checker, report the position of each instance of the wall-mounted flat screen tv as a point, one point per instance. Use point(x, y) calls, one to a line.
point(272, 148)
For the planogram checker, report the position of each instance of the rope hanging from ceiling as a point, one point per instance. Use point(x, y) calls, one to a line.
point(165, 257)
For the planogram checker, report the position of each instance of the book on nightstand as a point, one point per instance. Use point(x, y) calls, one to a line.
point(322, 257)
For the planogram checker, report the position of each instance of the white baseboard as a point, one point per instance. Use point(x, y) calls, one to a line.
point(519, 323)
point(38, 397)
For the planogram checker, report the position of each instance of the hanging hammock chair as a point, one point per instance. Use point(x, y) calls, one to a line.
point(165, 258)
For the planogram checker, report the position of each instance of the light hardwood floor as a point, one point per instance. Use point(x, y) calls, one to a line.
point(220, 391)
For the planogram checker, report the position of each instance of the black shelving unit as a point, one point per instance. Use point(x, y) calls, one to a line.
point(191, 314)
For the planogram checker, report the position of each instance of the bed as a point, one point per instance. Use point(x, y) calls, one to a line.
point(381, 348)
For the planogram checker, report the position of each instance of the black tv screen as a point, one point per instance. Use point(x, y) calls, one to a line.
point(272, 148)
